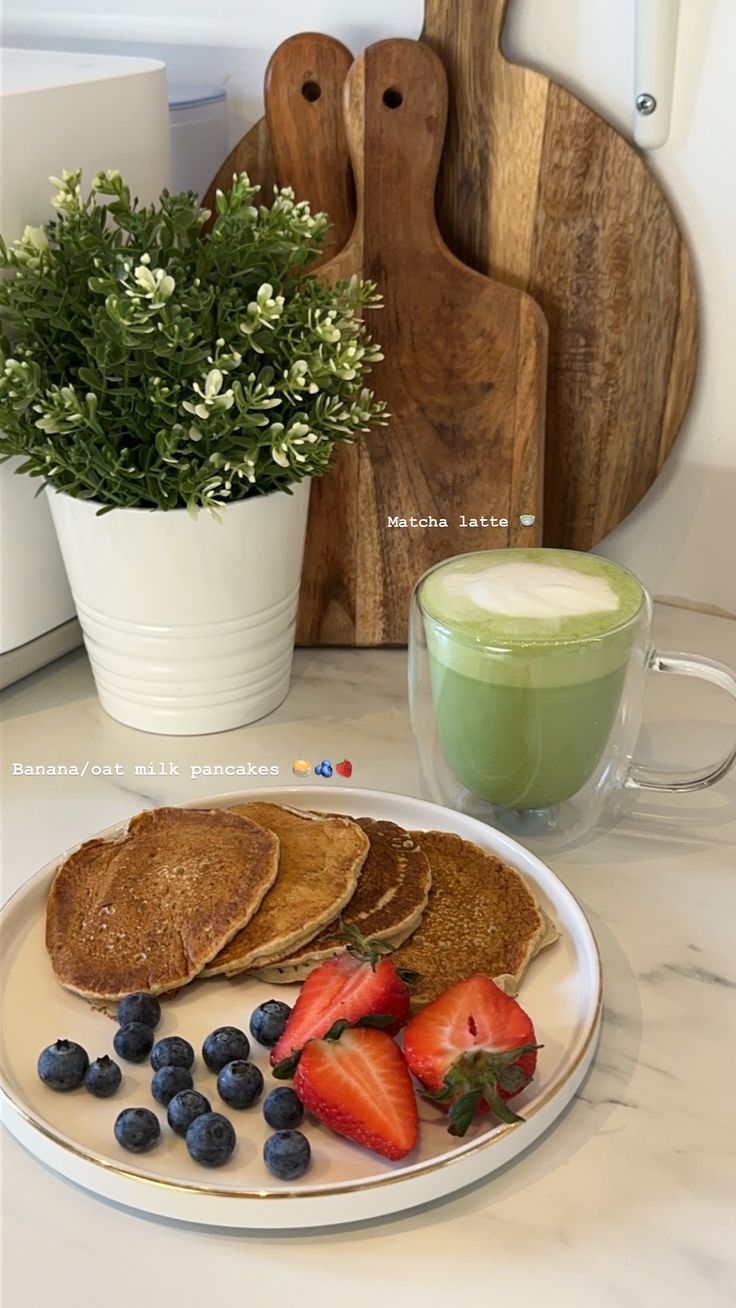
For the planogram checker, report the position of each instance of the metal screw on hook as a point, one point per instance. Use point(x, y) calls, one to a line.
point(645, 104)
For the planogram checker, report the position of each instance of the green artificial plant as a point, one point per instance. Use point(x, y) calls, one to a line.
point(148, 361)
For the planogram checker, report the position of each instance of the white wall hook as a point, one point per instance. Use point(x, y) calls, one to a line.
point(654, 70)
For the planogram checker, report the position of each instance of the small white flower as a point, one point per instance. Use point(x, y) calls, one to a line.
point(36, 238)
point(212, 383)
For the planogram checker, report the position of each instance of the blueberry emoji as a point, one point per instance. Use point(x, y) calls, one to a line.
point(172, 1051)
point(268, 1021)
point(223, 1046)
point(287, 1154)
point(137, 1129)
point(210, 1139)
point(139, 1007)
point(63, 1066)
point(240, 1084)
point(133, 1042)
point(326, 767)
point(103, 1077)
point(168, 1081)
point(183, 1109)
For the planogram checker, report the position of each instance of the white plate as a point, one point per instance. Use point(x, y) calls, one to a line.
point(72, 1133)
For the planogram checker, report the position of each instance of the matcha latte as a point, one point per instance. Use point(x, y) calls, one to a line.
point(528, 652)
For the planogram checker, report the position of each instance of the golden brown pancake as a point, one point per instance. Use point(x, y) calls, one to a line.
point(320, 860)
point(481, 916)
point(387, 905)
point(148, 910)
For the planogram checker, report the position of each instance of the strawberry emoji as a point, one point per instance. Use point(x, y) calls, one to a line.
point(357, 983)
point(473, 1048)
point(344, 769)
point(359, 1086)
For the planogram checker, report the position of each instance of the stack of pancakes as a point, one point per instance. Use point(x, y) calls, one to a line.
point(263, 889)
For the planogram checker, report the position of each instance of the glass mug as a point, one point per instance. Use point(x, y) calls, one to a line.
point(526, 682)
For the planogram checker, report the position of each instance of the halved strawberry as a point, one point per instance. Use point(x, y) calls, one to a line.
point(349, 987)
point(359, 1086)
point(473, 1048)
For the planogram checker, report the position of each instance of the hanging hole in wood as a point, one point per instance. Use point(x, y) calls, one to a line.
point(311, 91)
point(392, 97)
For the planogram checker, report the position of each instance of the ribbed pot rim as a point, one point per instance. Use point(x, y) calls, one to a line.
point(170, 513)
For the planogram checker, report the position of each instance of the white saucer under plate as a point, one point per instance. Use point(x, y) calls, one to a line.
point(73, 1132)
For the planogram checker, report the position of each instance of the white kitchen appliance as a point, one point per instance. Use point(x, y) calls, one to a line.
point(60, 110)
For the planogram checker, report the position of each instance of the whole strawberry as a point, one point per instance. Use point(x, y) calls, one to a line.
point(360, 982)
point(357, 1083)
point(344, 769)
point(473, 1049)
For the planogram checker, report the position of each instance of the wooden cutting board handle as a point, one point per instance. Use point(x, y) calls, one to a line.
point(300, 142)
point(303, 93)
point(395, 116)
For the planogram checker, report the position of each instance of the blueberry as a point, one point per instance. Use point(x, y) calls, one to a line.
point(287, 1154)
point(168, 1081)
point(326, 767)
point(282, 1108)
point(103, 1077)
point(210, 1139)
point(318, 770)
point(268, 1022)
point(133, 1042)
point(184, 1107)
point(240, 1084)
point(137, 1129)
point(172, 1051)
point(223, 1046)
point(139, 1007)
point(63, 1066)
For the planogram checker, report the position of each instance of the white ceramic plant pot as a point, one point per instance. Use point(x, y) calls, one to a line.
point(189, 623)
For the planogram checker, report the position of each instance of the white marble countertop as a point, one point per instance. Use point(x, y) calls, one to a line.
point(629, 1200)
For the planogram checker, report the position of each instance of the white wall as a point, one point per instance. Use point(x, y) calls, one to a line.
point(681, 539)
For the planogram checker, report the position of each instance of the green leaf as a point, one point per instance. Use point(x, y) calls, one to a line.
point(379, 1020)
point(463, 1111)
point(285, 1069)
point(500, 1107)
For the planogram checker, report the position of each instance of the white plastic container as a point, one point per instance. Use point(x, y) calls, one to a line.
point(199, 135)
point(189, 623)
point(61, 110)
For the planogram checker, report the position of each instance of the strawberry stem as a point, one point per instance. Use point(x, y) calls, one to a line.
point(481, 1074)
point(366, 951)
point(286, 1067)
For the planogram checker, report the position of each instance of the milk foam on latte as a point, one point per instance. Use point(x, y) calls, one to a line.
point(530, 596)
point(533, 590)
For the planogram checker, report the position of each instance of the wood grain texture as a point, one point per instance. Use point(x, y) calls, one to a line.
point(539, 191)
point(301, 140)
point(463, 377)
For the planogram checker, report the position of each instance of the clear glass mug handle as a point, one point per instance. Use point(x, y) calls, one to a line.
point(686, 665)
